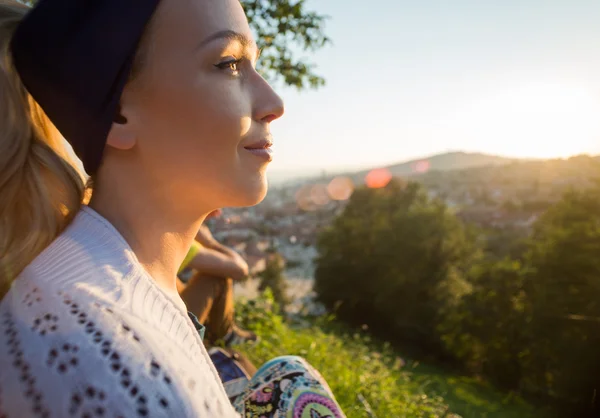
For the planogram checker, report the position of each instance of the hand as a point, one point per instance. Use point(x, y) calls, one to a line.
point(241, 263)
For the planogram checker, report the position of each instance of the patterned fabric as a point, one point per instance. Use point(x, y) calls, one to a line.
point(86, 332)
point(233, 375)
point(288, 387)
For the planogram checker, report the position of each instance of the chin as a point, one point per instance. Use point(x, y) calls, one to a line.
point(250, 192)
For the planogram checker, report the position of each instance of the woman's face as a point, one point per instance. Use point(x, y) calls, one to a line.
point(199, 111)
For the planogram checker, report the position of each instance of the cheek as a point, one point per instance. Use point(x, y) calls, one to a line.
point(211, 156)
point(190, 142)
point(198, 121)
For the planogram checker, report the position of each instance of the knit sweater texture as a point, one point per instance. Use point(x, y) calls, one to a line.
point(86, 332)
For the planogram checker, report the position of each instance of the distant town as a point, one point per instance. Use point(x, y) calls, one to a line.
point(491, 193)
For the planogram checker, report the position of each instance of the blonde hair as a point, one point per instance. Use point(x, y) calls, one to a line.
point(41, 189)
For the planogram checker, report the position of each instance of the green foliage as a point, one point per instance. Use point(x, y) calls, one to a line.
point(282, 28)
point(501, 243)
point(272, 278)
point(526, 314)
point(396, 260)
point(364, 373)
point(489, 329)
point(564, 292)
point(534, 325)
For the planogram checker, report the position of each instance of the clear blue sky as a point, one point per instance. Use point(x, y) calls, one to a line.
point(409, 78)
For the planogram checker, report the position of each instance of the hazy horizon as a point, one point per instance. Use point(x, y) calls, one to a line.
point(283, 175)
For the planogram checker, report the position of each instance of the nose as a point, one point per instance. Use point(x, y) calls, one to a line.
point(268, 106)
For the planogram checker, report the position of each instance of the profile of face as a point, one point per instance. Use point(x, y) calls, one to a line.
point(197, 116)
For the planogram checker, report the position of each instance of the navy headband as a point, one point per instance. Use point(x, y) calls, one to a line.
point(74, 57)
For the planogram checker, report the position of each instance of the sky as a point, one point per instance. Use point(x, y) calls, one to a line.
point(412, 78)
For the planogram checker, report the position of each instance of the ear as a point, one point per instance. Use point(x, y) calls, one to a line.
point(121, 135)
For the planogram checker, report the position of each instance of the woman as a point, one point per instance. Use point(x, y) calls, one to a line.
point(206, 279)
point(205, 284)
point(162, 103)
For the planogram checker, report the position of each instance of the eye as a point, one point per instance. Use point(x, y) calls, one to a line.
point(230, 65)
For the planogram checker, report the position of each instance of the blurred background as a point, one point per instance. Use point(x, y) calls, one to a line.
point(431, 236)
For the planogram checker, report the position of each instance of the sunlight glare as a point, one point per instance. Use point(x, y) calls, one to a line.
point(540, 120)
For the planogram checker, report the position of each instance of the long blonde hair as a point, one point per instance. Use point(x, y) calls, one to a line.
point(41, 189)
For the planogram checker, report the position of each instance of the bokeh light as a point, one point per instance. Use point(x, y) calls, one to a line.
point(422, 166)
point(378, 178)
point(303, 198)
point(309, 197)
point(319, 195)
point(340, 188)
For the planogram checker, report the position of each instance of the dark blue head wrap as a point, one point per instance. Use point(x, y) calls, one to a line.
point(74, 57)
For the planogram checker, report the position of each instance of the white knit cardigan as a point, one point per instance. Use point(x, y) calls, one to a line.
point(86, 332)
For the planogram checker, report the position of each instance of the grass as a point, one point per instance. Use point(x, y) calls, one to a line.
point(370, 379)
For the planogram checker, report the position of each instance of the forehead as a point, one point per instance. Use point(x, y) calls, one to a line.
point(194, 20)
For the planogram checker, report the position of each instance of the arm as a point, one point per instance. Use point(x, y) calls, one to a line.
point(205, 238)
point(214, 263)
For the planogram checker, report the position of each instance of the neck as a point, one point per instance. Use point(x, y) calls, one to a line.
point(158, 230)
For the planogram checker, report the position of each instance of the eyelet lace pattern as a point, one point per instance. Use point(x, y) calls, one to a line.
point(84, 332)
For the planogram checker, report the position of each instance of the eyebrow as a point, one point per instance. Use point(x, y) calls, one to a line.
point(232, 35)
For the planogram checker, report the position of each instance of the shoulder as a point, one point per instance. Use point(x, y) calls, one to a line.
point(90, 250)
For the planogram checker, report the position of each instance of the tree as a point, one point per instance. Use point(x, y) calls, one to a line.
point(394, 259)
point(283, 27)
point(564, 288)
point(272, 277)
point(534, 324)
point(489, 329)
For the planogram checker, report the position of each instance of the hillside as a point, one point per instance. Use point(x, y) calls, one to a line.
point(457, 160)
point(444, 162)
point(370, 378)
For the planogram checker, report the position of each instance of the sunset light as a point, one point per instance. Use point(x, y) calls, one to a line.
point(539, 120)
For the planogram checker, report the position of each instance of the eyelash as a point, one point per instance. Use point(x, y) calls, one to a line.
point(229, 64)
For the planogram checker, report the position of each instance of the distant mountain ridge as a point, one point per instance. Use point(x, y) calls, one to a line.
point(451, 161)
point(456, 160)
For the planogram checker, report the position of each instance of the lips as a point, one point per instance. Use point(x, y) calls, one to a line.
point(261, 149)
point(262, 144)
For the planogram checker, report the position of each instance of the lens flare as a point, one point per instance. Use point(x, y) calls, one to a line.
point(422, 166)
point(340, 188)
point(378, 178)
point(303, 198)
point(318, 195)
